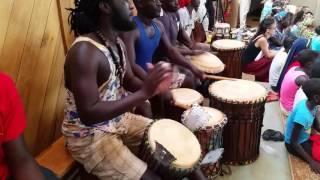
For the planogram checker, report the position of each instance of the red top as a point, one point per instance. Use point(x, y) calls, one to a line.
point(12, 118)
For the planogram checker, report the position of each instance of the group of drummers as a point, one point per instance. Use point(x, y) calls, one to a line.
point(123, 72)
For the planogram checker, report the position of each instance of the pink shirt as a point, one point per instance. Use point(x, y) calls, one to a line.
point(289, 88)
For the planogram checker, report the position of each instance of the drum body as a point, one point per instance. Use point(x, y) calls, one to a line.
point(210, 138)
point(241, 135)
point(183, 99)
point(229, 52)
point(178, 141)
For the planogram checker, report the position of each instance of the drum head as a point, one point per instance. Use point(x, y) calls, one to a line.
point(208, 63)
point(178, 140)
point(228, 44)
point(238, 91)
point(217, 118)
point(184, 97)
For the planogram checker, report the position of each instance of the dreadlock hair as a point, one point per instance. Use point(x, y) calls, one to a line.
point(84, 18)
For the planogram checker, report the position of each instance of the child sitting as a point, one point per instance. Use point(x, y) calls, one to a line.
point(294, 78)
point(315, 41)
point(315, 73)
point(278, 62)
point(300, 123)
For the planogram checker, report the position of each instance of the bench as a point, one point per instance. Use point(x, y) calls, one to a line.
point(57, 158)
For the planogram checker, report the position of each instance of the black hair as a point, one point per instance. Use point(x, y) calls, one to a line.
point(305, 56)
point(315, 72)
point(317, 30)
point(289, 17)
point(84, 18)
point(299, 17)
point(263, 26)
point(311, 87)
point(288, 41)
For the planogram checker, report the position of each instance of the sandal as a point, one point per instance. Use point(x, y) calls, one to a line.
point(272, 135)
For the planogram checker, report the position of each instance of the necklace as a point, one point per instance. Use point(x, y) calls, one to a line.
point(117, 61)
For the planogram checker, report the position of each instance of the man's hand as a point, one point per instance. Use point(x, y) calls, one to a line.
point(159, 78)
point(196, 52)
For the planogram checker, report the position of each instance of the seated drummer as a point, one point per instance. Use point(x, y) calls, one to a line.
point(251, 62)
point(101, 132)
point(142, 42)
point(300, 124)
point(176, 32)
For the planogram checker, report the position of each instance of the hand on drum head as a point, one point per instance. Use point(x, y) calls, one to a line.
point(159, 78)
point(197, 52)
point(202, 46)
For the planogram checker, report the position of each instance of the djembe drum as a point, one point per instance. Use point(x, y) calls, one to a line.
point(209, 136)
point(183, 99)
point(229, 51)
point(170, 149)
point(207, 63)
point(222, 30)
point(243, 103)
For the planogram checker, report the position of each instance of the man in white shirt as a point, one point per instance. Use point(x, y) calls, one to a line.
point(195, 11)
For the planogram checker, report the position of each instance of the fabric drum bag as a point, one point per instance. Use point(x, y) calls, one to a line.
point(243, 103)
point(229, 51)
point(170, 149)
point(207, 63)
point(210, 137)
point(183, 99)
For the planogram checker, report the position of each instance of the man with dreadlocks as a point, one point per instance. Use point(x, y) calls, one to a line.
point(100, 131)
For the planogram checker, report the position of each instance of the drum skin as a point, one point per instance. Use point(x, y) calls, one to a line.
point(172, 134)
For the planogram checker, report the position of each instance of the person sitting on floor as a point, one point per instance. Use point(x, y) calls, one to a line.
point(300, 124)
point(278, 62)
point(315, 40)
point(267, 9)
point(176, 33)
point(276, 41)
point(259, 42)
point(297, 46)
point(295, 78)
point(15, 160)
point(315, 73)
point(100, 129)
